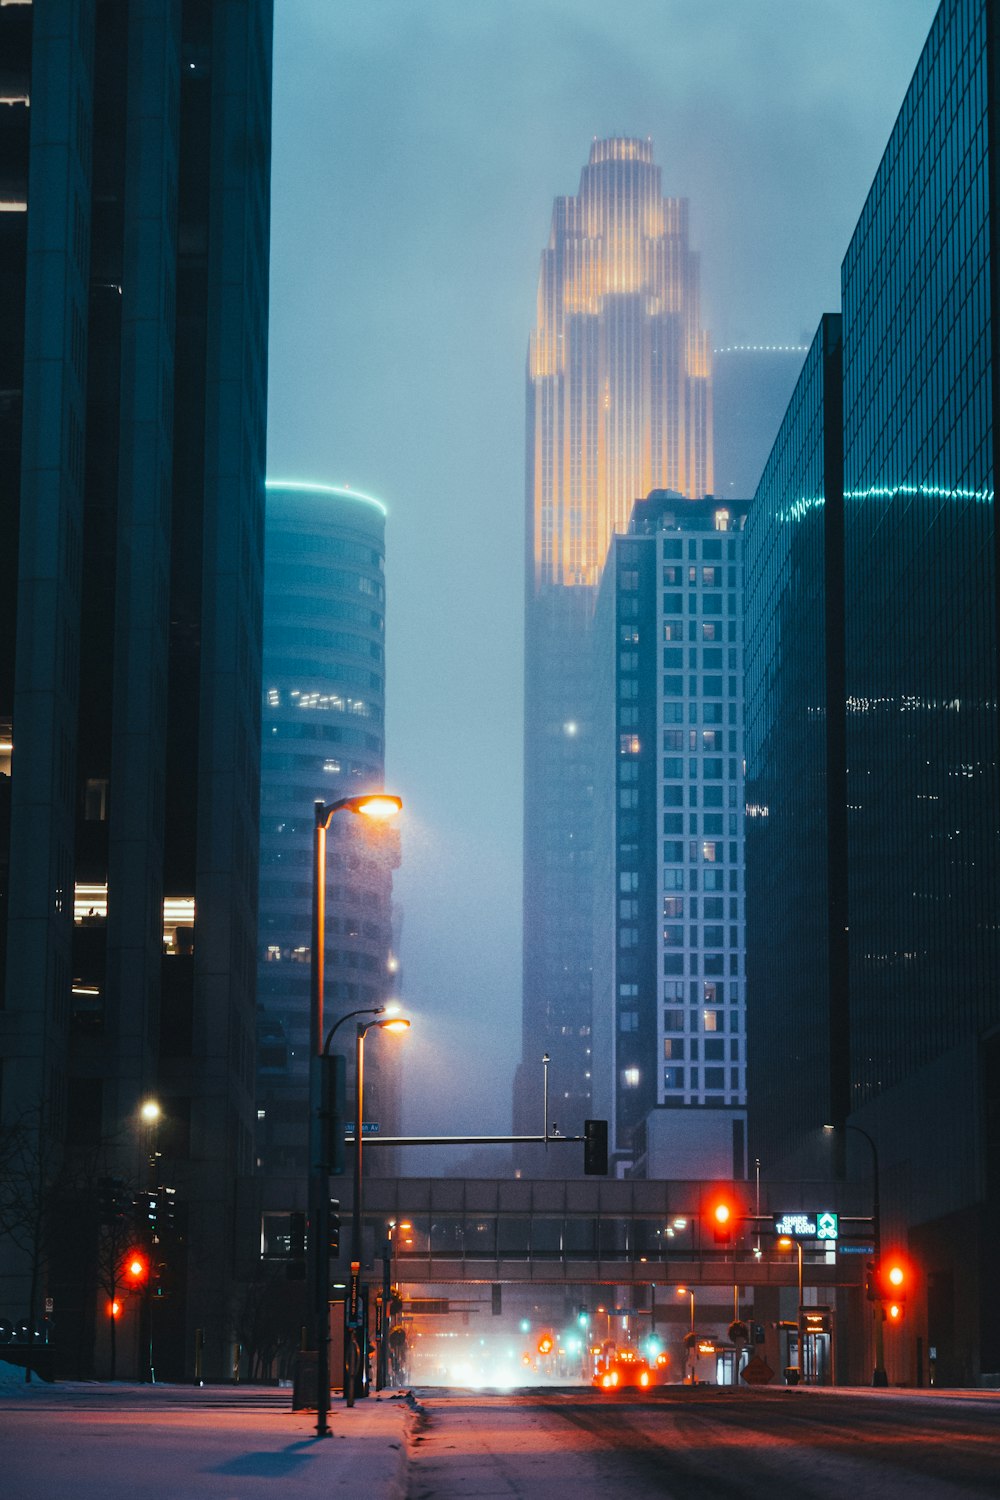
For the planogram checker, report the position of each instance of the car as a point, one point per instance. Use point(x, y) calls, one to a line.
point(626, 1368)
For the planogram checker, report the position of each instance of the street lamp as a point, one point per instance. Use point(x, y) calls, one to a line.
point(879, 1375)
point(150, 1113)
point(394, 1024)
point(785, 1242)
point(378, 806)
point(683, 1291)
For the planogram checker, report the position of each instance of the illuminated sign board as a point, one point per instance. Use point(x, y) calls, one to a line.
point(808, 1226)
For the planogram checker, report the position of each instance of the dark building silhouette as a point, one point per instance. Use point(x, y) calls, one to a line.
point(134, 169)
point(796, 847)
point(911, 1054)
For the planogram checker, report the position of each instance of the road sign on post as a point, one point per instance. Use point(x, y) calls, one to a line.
point(757, 1371)
point(353, 1308)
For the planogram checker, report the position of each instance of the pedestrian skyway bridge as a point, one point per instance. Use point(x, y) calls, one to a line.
point(613, 1231)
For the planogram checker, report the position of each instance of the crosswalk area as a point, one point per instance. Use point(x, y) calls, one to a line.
point(125, 1396)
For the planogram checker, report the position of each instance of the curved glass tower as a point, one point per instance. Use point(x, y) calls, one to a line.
point(322, 738)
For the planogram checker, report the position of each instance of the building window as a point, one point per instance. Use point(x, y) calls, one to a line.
point(628, 744)
point(673, 1020)
point(710, 1019)
point(673, 906)
point(715, 1078)
point(95, 800)
point(630, 1078)
point(628, 1020)
point(673, 1049)
point(673, 1078)
point(628, 880)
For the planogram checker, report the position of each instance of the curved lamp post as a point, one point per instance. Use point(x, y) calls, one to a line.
point(378, 806)
point(380, 1023)
point(786, 1243)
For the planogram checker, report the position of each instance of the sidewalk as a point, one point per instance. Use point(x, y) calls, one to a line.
point(118, 1442)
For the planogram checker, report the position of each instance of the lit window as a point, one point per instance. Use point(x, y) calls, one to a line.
point(630, 1078)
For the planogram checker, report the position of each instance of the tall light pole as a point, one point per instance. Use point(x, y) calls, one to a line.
point(879, 1375)
point(786, 1243)
point(683, 1291)
point(355, 1351)
point(375, 805)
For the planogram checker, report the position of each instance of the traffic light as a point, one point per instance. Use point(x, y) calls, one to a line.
point(329, 1111)
point(545, 1344)
point(595, 1148)
point(721, 1218)
point(136, 1270)
point(893, 1285)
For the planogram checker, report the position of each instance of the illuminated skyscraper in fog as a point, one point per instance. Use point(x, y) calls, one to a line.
point(619, 402)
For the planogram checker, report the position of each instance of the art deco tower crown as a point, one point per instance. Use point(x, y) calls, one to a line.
point(619, 368)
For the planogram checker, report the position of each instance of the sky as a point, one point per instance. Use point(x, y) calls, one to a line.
point(418, 146)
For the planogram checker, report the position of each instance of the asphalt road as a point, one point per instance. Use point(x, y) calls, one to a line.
point(708, 1443)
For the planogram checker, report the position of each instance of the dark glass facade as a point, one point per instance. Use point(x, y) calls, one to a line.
point(920, 560)
point(910, 1058)
point(795, 845)
point(132, 434)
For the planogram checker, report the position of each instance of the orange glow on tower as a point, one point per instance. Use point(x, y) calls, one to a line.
point(619, 367)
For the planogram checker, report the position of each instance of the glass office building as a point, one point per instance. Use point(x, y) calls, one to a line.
point(323, 737)
point(669, 893)
point(795, 843)
point(920, 559)
point(913, 1059)
point(134, 244)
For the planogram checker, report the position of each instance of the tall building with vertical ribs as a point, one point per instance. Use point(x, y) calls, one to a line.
point(619, 402)
point(134, 237)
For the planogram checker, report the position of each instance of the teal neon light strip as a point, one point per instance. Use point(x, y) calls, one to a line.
point(344, 491)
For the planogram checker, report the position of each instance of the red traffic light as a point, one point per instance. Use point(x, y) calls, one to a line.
point(136, 1269)
point(721, 1217)
point(894, 1312)
point(893, 1283)
point(545, 1344)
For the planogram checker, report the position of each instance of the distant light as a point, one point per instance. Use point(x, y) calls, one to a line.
point(343, 490)
point(150, 1111)
point(571, 727)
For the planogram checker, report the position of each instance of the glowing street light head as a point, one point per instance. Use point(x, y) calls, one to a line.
point(393, 1023)
point(784, 1243)
point(150, 1111)
point(379, 805)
